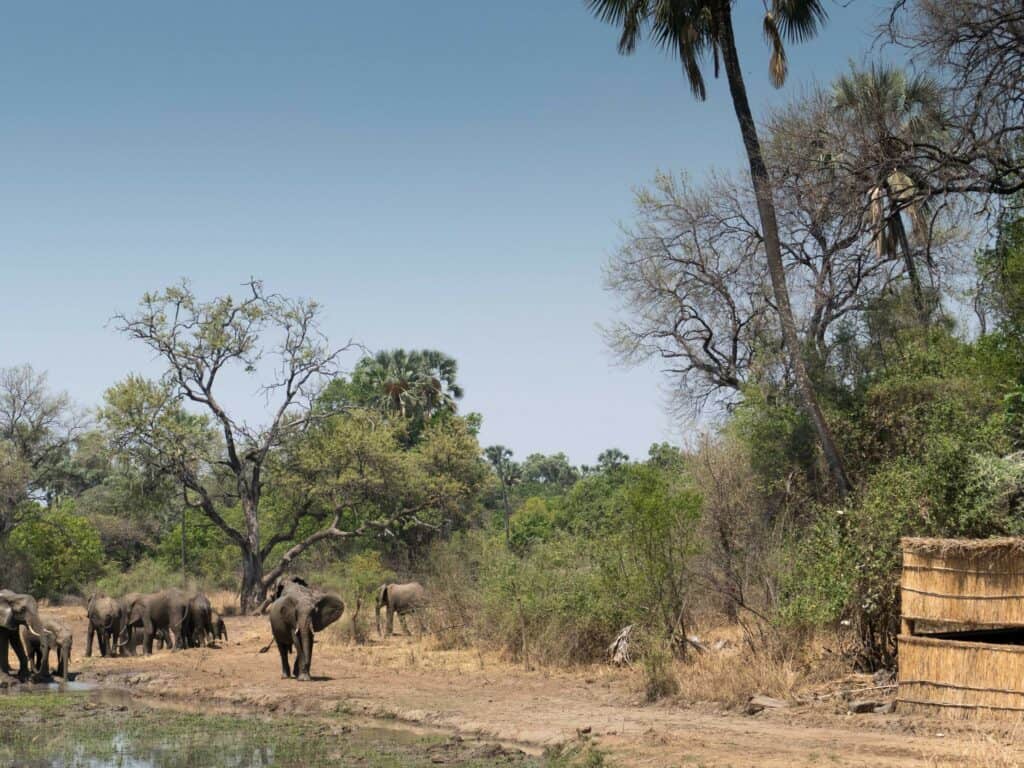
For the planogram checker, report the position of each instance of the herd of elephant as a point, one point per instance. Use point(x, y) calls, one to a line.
point(179, 619)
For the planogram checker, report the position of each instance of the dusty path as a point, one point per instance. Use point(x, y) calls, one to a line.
point(409, 683)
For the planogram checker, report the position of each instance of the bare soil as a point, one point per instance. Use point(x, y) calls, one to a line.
point(412, 685)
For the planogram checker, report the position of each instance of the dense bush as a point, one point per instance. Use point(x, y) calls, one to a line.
point(62, 550)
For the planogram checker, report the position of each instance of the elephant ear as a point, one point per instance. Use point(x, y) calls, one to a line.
point(7, 620)
point(326, 611)
point(136, 614)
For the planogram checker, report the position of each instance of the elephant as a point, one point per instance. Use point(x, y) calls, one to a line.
point(296, 612)
point(160, 612)
point(199, 624)
point(17, 610)
point(106, 620)
point(220, 632)
point(57, 637)
point(402, 599)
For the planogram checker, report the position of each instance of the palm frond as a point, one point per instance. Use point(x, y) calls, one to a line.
point(799, 20)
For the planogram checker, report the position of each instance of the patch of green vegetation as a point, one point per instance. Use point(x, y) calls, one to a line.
point(79, 729)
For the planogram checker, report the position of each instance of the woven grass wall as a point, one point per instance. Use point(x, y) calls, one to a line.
point(961, 680)
point(971, 583)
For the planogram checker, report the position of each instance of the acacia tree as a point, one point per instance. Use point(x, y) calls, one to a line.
point(198, 342)
point(692, 29)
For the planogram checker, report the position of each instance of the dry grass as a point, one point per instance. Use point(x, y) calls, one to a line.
point(980, 751)
point(780, 667)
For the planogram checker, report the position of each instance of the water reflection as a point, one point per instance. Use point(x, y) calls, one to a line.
point(192, 751)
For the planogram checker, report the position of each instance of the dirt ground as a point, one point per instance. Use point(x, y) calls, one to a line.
point(410, 684)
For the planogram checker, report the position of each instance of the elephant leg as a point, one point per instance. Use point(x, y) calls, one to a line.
point(23, 670)
point(147, 636)
point(389, 627)
point(5, 662)
point(405, 627)
point(283, 649)
point(305, 654)
point(101, 638)
point(88, 639)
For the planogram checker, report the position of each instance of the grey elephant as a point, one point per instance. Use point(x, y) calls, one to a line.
point(220, 632)
point(106, 621)
point(297, 611)
point(160, 612)
point(198, 628)
point(16, 611)
point(403, 599)
point(57, 637)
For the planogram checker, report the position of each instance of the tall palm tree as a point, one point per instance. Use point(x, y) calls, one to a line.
point(509, 473)
point(691, 30)
point(410, 385)
point(887, 111)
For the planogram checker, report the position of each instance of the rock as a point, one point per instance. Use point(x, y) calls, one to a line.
point(886, 709)
point(862, 706)
point(758, 703)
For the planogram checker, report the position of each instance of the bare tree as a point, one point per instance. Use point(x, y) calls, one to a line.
point(695, 289)
point(977, 47)
point(696, 293)
point(198, 342)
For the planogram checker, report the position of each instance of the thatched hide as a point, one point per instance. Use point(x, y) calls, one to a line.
point(969, 582)
point(968, 595)
point(961, 679)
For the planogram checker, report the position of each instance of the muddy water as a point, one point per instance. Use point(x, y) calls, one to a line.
point(74, 726)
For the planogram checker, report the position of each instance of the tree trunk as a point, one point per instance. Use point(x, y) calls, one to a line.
point(908, 260)
point(773, 252)
point(508, 517)
point(252, 591)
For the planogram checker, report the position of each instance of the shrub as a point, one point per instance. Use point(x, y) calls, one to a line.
point(63, 550)
point(660, 679)
point(147, 575)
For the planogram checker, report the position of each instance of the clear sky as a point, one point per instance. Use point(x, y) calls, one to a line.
point(448, 175)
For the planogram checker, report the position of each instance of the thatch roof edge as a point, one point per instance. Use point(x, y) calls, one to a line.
point(1008, 545)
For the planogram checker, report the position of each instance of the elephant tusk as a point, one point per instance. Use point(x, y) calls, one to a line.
point(32, 630)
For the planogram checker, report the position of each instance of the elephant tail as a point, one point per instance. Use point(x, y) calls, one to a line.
point(266, 647)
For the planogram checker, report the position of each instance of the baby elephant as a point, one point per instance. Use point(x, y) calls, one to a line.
point(56, 637)
point(402, 599)
point(220, 632)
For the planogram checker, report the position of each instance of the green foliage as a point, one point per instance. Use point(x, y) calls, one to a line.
point(660, 679)
point(532, 523)
point(356, 576)
point(63, 550)
point(210, 557)
point(147, 575)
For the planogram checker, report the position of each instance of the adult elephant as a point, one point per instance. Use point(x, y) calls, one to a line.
point(296, 612)
point(58, 638)
point(16, 611)
point(160, 612)
point(106, 622)
point(403, 599)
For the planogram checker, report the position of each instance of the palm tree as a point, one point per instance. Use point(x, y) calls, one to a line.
point(692, 29)
point(509, 473)
point(887, 111)
point(410, 385)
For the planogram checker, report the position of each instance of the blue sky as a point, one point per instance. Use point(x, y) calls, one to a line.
point(450, 175)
